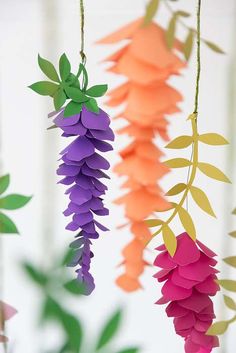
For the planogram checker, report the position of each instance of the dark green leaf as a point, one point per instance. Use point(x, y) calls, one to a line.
point(45, 88)
point(73, 329)
point(59, 98)
point(110, 329)
point(92, 106)
point(85, 77)
point(72, 108)
point(170, 33)
point(76, 94)
point(214, 47)
point(97, 91)
point(67, 257)
point(48, 69)
point(4, 183)
point(74, 287)
point(7, 226)
point(64, 67)
point(129, 350)
point(14, 201)
point(35, 274)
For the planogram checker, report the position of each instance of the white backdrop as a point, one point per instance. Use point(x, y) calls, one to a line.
point(29, 153)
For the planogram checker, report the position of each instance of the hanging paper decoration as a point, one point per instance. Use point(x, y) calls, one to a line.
point(6, 313)
point(147, 64)
point(189, 278)
point(220, 327)
point(82, 167)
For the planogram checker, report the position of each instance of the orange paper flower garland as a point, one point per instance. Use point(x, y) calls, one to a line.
point(147, 64)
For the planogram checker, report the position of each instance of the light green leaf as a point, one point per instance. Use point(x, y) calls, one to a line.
point(188, 45)
point(218, 328)
point(4, 183)
point(45, 88)
point(177, 163)
point(7, 226)
point(233, 234)
point(182, 13)
point(227, 284)
point(214, 47)
point(187, 222)
point(64, 67)
point(169, 240)
point(97, 91)
point(48, 69)
point(129, 350)
point(72, 108)
point(109, 330)
point(35, 274)
point(92, 106)
point(213, 139)
point(14, 201)
point(230, 303)
point(59, 98)
point(74, 287)
point(230, 261)
point(180, 142)
point(213, 172)
point(151, 10)
point(170, 33)
point(76, 94)
point(201, 200)
point(153, 222)
point(175, 190)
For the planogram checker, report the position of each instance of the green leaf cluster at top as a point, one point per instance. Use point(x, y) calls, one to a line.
point(9, 202)
point(66, 86)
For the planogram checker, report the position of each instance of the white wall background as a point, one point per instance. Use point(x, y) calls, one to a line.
point(29, 152)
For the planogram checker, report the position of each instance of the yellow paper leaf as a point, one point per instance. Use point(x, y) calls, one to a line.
point(227, 284)
point(151, 10)
point(177, 163)
point(230, 303)
point(230, 261)
point(169, 240)
point(233, 234)
point(214, 47)
point(218, 328)
point(188, 45)
point(175, 190)
point(153, 222)
point(213, 139)
point(201, 200)
point(180, 142)
point(170, 33)
point(234, 212)
point(187, 222)
point(213, 172)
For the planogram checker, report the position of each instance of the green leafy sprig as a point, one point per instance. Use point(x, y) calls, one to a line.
point(9, 202)
point(56, 287)
point(177, 18)
point(65, 85)
point(220, 327)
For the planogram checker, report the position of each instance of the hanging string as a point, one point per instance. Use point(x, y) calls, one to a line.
point(82, 53)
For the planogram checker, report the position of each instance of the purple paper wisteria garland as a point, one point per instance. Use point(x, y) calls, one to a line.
point(81, 166)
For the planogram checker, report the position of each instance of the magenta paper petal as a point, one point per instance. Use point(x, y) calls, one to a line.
point(181, 281)
point(173, 292)
point(162, 301)
point(204, 350)
point(175, 310)
point(197, 271)
point(209, 286)
point(200, 338)
point(80, 148)
point(202, 326)
point(191, 347)
point(163, 261)
point(185, 322)
point(205, 249)
point(187, 251)
point(162, 275)
point(197, 302)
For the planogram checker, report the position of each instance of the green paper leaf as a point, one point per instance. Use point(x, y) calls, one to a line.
point(85, 77)
point(213, 139)
point(64, 67)
point(227, 284)
point(180, 142)
point(73, 328)
point(187, 222)
point(72, 108)
point(213, 172)
point(188, 45)
point(109, 330)
point(170, 33)
point(59, 98)
point(129, 350)
point(97, 91)
point(214, 47)
point(48, 69)
point(153, 222)
point(177, 163)
point(151, 10)
point(7, 226)
point(14, 201)
point(175, 190)
point(231, 260)
point(76, 94)
point(74, 287)
point(169, 240)
point(201, 200)
point(35, 274)
point(4, 183)
point(45, 88)
point(92, 105)
point(230, 303)
point(218, 328)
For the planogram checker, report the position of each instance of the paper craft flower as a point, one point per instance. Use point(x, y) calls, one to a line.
point(189, 283)
point(147, 99)
point(7, 312)
point(82, 168)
